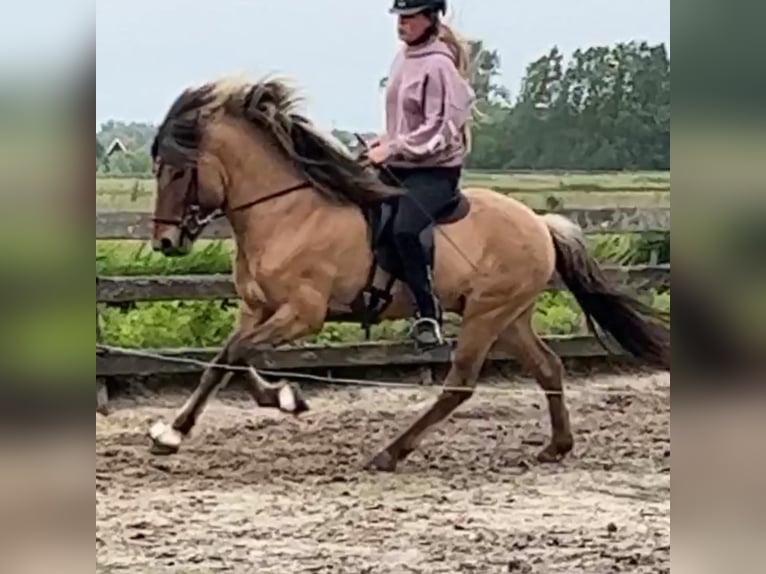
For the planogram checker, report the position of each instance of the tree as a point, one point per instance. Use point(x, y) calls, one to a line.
point(607, 108)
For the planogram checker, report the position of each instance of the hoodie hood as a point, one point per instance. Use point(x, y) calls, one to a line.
point(433, 47)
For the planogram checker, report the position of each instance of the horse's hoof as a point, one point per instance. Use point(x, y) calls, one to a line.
point(291, 401)
point(548, 455)
point(159, 449)
point(165, 439)
point(554, 452)
point(383, 462)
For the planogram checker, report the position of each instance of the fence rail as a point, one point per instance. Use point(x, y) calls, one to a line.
point(377, 354)
point(143, 176)
point(138, 225)
point(218, 286)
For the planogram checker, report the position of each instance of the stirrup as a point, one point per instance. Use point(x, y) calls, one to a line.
point(427, 333)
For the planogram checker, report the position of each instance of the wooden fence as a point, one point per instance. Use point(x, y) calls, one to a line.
point(137, 226)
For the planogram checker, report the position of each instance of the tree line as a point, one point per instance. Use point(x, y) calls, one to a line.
point(605, 108)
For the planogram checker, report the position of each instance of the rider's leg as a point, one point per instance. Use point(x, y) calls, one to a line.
point(428, 192)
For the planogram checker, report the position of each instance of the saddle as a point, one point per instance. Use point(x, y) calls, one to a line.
point(386, 266)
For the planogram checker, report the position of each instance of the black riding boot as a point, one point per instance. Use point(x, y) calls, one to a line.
point(429, 192)
point(426, 330)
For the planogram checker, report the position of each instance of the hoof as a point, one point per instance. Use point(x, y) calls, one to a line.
point(554, 452)
point(165, 440)
point(383, 462)
point(291, 401)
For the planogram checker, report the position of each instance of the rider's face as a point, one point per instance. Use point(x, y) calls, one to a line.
point(413, 27)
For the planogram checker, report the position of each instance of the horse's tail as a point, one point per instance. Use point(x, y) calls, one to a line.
point(640, 329)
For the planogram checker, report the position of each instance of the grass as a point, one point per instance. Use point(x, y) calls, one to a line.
point(539, 191)
point(614, 182)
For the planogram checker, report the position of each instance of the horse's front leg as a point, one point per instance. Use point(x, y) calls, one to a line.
point(166, 439)
point(283, 326)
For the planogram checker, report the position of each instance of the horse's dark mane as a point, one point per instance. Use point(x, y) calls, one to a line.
point(178, 137)
point(271, 106)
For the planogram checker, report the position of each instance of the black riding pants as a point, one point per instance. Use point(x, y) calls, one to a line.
point(430, 192)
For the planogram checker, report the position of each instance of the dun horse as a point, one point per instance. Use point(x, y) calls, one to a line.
point(299, 206)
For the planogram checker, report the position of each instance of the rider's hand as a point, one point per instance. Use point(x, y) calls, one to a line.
point(379, 153)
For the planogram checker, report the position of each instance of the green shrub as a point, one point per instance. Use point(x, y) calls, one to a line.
point(137, 258)
point(168, 324)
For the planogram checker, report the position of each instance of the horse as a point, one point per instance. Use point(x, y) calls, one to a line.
point(303, 209)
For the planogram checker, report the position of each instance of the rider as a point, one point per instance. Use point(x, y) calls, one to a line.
point(428, 106)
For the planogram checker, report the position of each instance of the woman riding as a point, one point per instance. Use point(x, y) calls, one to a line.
point(428, 106)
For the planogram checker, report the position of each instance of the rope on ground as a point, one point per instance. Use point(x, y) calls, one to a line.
point(602, 389)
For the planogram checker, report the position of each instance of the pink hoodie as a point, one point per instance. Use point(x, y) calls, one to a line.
point(427, 105)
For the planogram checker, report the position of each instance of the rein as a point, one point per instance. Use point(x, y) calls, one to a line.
point(193, 224)
point(275, 195)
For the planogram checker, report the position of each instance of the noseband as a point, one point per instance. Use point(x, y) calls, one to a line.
point(193, 222)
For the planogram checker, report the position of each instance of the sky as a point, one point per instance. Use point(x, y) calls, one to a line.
point(335, 51)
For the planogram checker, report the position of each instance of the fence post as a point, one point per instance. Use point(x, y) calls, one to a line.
point(102, 394)
point(426, 375)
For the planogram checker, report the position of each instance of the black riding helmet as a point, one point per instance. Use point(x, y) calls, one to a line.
point(412, 7)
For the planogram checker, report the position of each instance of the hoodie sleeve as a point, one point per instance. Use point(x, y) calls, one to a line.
point(446, 104)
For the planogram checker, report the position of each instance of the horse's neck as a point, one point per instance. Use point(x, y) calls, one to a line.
point(291, 221)
point(262, 223)
point(258, 169)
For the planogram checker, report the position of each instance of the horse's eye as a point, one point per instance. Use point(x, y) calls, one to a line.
point(177, 175)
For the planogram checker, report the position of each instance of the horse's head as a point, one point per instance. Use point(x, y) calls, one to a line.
point(190, 179)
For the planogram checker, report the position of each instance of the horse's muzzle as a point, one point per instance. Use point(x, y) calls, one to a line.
point(169, 240)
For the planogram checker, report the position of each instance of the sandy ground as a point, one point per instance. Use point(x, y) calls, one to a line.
point(257, 491)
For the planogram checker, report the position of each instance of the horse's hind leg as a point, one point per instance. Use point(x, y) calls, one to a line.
point(478, 334)
point(546, 367)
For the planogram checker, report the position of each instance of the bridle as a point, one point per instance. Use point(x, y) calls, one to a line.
point(194, 220)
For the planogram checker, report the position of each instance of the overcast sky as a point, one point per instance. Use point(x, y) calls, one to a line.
point(336, 50)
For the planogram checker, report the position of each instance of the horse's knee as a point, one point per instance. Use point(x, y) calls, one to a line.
point(466, 365)
point(237, 350)
point(233, 353)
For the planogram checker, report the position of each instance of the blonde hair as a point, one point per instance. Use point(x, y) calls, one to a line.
point(462, 57)
point(459, 48)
